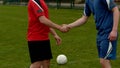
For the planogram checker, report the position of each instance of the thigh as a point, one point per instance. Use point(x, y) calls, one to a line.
point(39, 50)
point(105, 50)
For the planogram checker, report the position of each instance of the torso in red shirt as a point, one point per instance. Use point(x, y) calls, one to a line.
point(36, 30)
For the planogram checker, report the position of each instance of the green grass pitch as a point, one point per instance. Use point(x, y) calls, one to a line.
point(79, 44)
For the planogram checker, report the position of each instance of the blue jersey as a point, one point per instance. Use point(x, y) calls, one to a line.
point(103, 15)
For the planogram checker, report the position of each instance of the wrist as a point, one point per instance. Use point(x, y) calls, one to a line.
point(69, 26)
point(58, 27)
point(114, 30)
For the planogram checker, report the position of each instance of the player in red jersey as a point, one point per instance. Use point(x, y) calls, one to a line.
point(38, 34)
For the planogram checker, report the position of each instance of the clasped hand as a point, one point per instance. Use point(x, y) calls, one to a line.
point(64, 28)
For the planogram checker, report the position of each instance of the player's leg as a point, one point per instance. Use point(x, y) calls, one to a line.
point(47, 55)
point(106, 52)
point(105, 63)
point(34, 54)
point(36, 64)
point(40, 51)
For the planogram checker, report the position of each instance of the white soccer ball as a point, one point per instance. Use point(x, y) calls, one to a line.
point(61, 59)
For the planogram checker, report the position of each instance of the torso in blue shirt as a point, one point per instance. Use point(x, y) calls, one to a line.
point(103, 15)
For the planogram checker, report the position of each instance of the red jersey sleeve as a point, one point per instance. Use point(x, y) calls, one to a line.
point(38, 10)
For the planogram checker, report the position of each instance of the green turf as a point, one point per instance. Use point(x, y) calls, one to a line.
point(78, 44)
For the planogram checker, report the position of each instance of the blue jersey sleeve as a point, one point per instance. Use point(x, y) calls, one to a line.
point(110, 3)
point(87, 11)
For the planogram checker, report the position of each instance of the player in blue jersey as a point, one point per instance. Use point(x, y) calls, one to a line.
point(106, 15)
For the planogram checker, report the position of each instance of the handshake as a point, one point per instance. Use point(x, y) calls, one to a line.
point(65, 28)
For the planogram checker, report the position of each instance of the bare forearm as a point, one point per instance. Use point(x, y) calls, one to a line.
point(49, 23)
point(116, 18)
point(78, 22)
point(57, 38)
point(53, 32)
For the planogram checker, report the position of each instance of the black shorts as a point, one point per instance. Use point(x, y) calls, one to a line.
point(39, 50)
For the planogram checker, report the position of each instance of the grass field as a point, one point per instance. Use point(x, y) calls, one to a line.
point(78, 44)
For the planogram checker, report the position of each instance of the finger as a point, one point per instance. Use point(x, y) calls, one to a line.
point(64, 24)
point(58, 42)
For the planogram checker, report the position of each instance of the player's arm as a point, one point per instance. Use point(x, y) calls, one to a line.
point(57, 38)
point(113, 34)
point(83, 19)
point(115, 18)
point(49, 23)
point(78, 22)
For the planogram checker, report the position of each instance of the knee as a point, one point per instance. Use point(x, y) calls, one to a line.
point(46, 63)
point(104, 61)
point(35, 65)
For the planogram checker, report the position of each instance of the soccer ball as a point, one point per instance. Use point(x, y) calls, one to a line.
point(61, 59)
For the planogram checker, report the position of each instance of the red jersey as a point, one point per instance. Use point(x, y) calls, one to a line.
point(36, 30)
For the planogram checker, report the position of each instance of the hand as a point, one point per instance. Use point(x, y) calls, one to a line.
point(112, 35)
point(64, 28)
point(58, 39)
